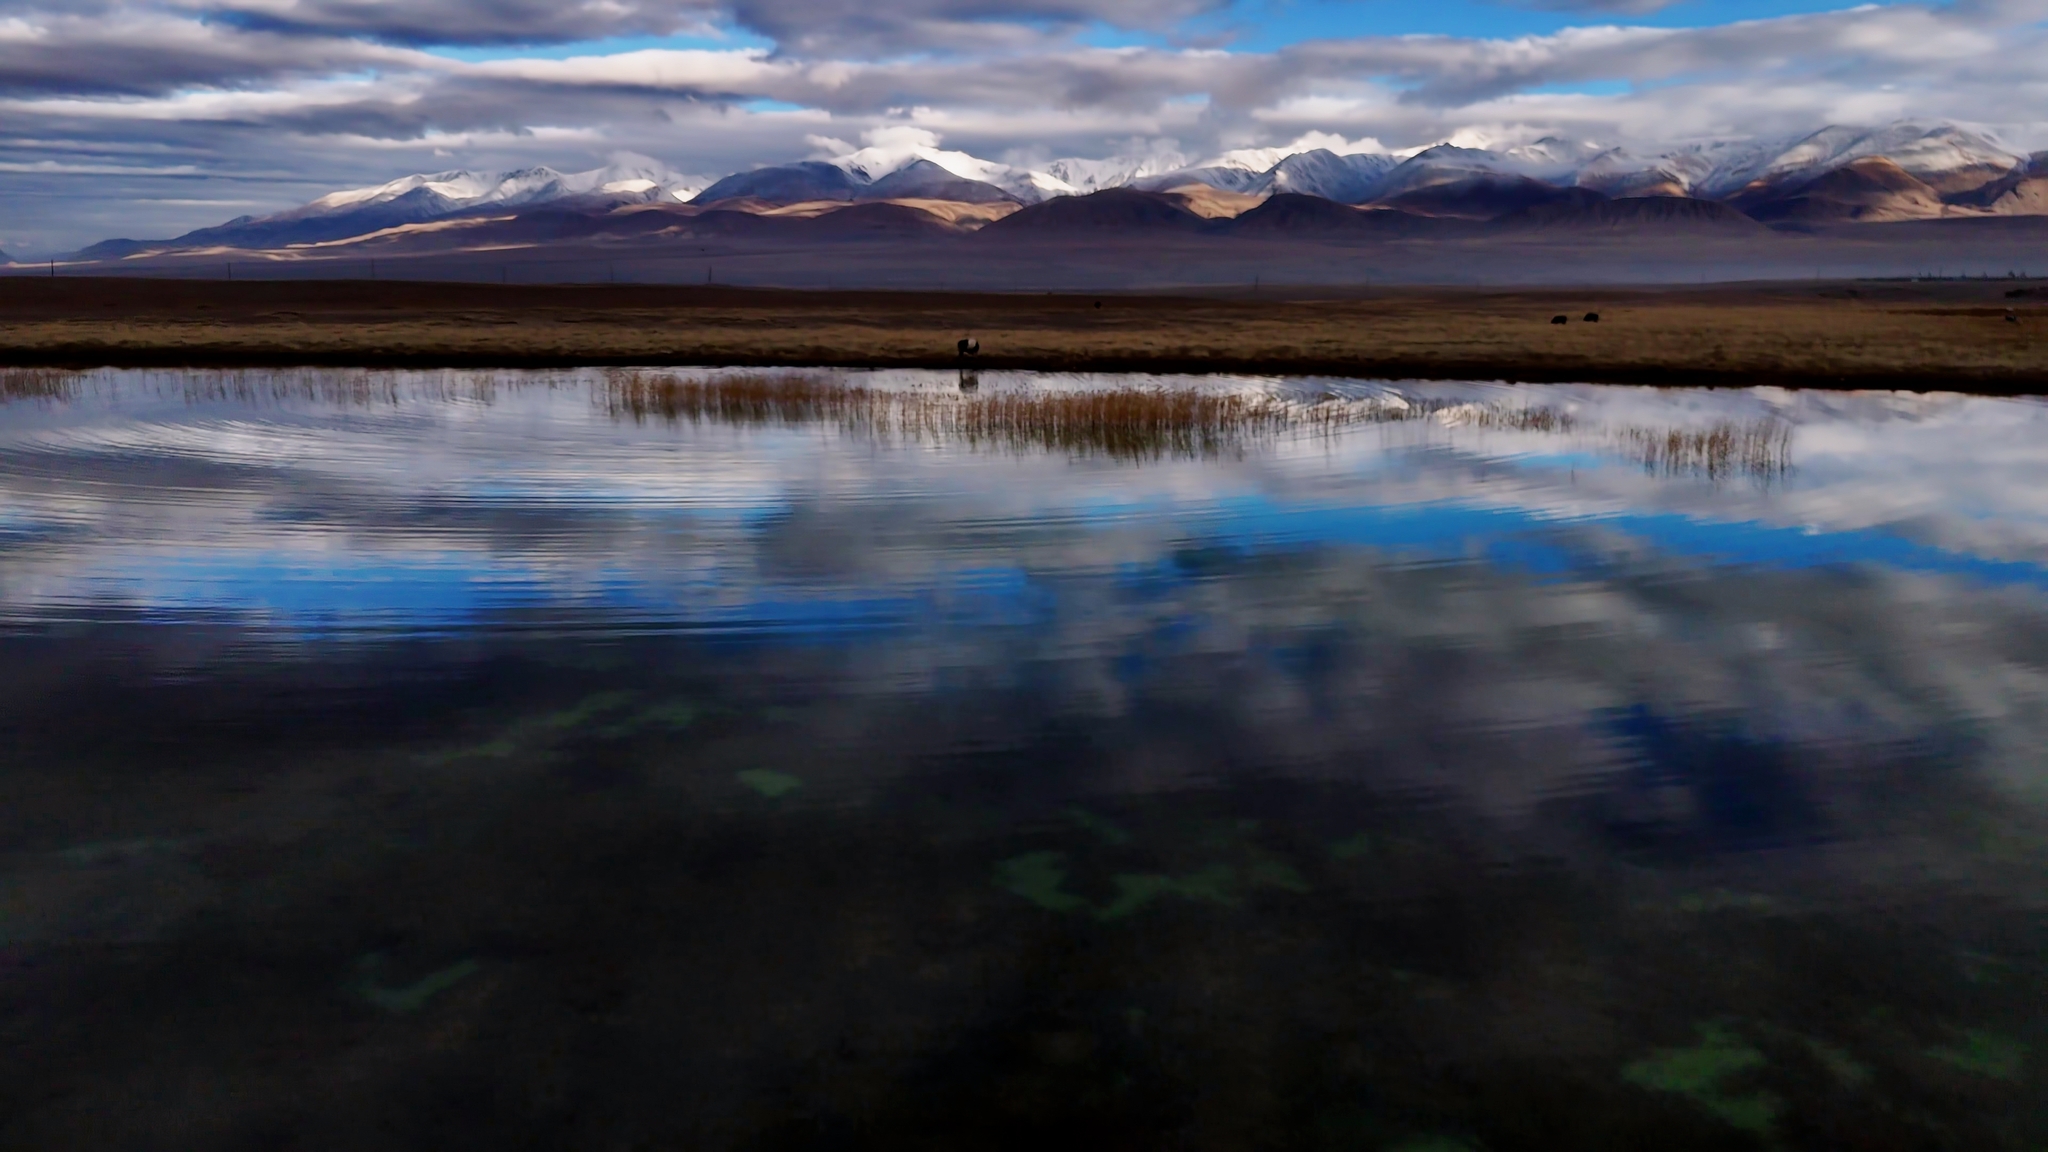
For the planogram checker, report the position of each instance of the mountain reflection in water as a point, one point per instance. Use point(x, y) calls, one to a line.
point(718, 759)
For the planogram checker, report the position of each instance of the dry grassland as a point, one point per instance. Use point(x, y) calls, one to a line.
point(1935, 335)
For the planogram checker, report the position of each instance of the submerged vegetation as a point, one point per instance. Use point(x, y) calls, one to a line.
point(1708, 1074)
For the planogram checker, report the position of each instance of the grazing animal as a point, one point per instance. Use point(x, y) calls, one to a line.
point(1559, 320)
point(1592, 317)
point(2012, 317)
point(969, 346)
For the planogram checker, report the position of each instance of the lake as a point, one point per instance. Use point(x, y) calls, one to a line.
point(707, 759)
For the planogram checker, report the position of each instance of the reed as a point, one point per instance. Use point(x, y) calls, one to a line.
point(1125, 420)
point(1124, 423)
point(343, 388)
point(1758, 449)
point(37, 384)
point(739, 399)
point(1139, 423)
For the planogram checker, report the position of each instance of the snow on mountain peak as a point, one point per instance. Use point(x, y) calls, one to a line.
point(452, 185)
point(1249, 159)
point(893, 147)
point(1086, 176)
point(632, 176)
point(1920, 149)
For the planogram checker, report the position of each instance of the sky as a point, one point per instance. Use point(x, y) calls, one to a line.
point(146, 118)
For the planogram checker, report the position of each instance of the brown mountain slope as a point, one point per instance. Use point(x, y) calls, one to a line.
point(878, 219)
point(1293, 214)
point(1121, 210)
point(1869, 190)
point(2020, 192)
point(2027, 197)
point(1958, 180)
point(1487, 197)
point(1214, 203)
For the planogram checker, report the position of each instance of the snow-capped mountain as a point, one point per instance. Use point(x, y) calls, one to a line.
point(1086, 176)
point(1348, 179)
point(1900, 171)
point(896, 163)
point(880, 160)
point(457, 191)
point(1940, 151)
point(425, 198)
point(1244, 170)
point(1351, 179)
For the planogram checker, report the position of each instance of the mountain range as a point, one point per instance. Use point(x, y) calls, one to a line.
point(1837, 175)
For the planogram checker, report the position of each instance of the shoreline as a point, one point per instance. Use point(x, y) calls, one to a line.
point(2024, 383)
point(1943, 336)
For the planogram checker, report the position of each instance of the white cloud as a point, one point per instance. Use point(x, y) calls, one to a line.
point(1309, 141)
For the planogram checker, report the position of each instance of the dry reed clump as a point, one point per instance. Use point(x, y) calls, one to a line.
point(745, 399)
point(1759, 449)
point(37, 384)
point(1123, 422)
point(355, 389)
point(343, 388)
point(1146, 423)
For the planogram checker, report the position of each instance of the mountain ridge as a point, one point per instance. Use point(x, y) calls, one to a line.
point(1907, 170)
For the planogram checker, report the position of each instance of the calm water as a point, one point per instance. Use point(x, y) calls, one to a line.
point(477, 761)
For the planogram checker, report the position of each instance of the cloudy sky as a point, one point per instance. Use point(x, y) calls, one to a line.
point(148, 117)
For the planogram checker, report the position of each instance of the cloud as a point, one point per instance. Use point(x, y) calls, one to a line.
point(838, 27)
point(868, 28)
point(421, 23)
point(1331, 141)
point(149, 53)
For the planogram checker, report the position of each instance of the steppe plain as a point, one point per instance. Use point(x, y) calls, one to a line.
point(1968, 335)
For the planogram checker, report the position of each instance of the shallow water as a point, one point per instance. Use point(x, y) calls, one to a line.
point(459, 760)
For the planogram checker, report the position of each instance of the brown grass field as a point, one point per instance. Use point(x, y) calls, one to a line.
point(1951, 335)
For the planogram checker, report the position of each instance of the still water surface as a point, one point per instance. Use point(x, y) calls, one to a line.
point(500, 761)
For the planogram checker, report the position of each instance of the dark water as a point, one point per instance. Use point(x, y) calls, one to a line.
point(456, 761)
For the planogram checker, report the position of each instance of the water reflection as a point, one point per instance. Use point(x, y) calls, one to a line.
point(706, 759)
